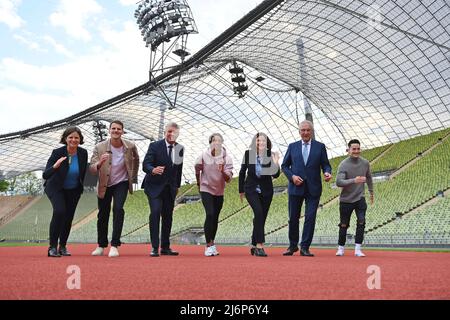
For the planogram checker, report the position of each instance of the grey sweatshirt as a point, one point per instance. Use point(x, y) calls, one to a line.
point(348, 170)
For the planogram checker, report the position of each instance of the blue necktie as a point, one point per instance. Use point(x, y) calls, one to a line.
point(305, 153)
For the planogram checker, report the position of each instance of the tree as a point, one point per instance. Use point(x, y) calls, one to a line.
point(4, 185)
point(27, 183)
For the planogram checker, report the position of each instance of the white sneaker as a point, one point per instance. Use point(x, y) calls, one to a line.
point(98, 251)
point(113, 252)
point(359, 253)
point(214, 249)
point(340, 252)
point(209, 252)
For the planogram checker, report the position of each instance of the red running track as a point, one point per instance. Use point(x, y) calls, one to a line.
point(27, 273)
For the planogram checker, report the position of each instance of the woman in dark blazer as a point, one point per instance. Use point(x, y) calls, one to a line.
point(64, 175)
point(258, 168)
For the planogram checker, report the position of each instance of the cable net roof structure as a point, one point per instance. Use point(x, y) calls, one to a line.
point(376, 70)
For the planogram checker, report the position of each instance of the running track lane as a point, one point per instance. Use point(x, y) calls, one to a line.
point(27, 273)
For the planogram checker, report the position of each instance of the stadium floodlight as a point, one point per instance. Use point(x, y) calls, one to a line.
point(160, 22)
point(238, 79)
point(100, 131)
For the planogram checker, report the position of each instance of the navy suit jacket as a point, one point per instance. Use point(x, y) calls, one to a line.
point(54, 178)
point(293, 164)
point(248, 180)
point(156, 156)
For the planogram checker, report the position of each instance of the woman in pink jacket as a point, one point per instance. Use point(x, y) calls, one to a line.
point(213, 169)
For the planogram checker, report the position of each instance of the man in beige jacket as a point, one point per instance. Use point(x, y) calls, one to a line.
point(116, 161)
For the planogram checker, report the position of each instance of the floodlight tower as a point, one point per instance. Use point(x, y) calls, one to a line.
point(165, 26)
point(304, 81)
point(100, 131)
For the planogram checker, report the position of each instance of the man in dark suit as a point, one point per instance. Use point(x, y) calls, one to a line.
point(302, 164)
point(163, 165)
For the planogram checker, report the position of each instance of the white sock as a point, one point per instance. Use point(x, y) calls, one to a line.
point(357, 247)
point(341, 248)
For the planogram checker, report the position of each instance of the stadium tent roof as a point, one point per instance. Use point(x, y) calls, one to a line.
point(377, 70)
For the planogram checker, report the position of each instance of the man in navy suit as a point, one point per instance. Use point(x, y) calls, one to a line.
point(163, 164)
point(302, 164)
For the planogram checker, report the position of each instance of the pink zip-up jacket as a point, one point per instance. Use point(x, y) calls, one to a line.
point(211, 179)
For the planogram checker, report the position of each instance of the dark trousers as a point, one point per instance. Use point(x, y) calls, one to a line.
point(64, 203)
point(345, 210)
point(260, 205)
point(212, 204)
point(161, 208)
point(118, 194)
point(295, 206)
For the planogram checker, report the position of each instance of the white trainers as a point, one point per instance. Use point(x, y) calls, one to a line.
point(209, 251)
point(214, 249)
point(98, 251)
point(113, 252)
point(359, 253)
point(340, 251)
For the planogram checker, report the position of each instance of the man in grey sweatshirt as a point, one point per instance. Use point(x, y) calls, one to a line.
point(353, 173)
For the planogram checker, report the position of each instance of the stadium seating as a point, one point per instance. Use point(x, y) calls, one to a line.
point(33, 223)
point(429, 220)
point(10, 204)
point(406, 150)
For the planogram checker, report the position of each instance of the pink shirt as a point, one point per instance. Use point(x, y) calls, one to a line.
point(118, 169)
point(211, 179)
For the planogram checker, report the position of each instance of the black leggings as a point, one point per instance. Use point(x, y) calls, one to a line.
point(213, 205)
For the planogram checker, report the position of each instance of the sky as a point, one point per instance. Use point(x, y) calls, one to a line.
point(59, 57)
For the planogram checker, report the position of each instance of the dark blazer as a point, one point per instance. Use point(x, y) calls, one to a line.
point(54, 178)
point(248, 180)
point(156, 156)
point(293, 165)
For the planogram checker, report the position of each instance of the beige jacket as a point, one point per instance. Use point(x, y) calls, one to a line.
point(131, 162)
